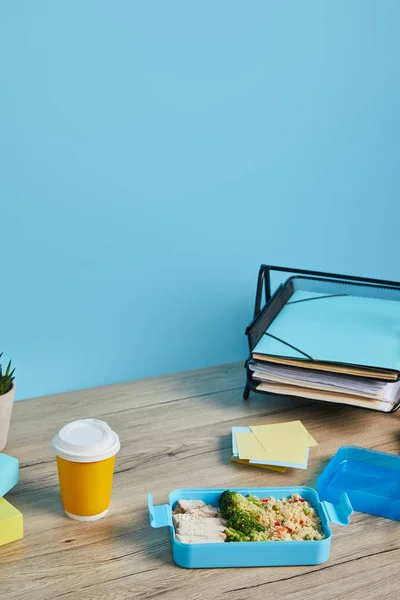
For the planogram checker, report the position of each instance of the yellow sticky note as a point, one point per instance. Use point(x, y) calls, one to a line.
point(270, 467)
point(292, 433)
point(11, 523)
point(292, 456)
point(250, 448)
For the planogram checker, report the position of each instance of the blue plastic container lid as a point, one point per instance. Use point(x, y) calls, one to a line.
point(367, 480)
point(8, 473)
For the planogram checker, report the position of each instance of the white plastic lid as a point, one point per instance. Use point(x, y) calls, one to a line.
point(87, 440)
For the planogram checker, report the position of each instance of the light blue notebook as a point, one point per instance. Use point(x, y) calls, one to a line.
point(340, 328)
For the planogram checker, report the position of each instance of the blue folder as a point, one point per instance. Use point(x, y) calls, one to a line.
point(337, 325)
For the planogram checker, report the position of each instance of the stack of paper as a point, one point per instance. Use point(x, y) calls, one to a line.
point(330, 387)
point(337, 347)
point(275, 446)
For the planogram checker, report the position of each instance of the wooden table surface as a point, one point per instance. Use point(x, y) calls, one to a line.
point(175, 432)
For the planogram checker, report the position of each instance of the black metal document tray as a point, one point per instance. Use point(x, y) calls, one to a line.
point(265, 312)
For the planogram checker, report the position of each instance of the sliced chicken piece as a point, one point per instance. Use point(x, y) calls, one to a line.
point(194, 518)
point(191, 539)
point(184, 505)
point(179, 517)
point(201, 527)
point(205, 512)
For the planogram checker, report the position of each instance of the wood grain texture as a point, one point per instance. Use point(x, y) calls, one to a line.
point(175, 432)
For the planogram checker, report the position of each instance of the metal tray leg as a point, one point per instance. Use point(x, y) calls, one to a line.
point(246, 393)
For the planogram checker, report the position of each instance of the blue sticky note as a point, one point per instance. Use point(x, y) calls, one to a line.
point(9, 472)
point(235, 451)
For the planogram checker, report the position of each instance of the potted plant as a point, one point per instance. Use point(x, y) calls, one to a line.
point(7, 393)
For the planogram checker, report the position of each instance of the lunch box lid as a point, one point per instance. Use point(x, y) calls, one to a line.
point(366, 480)
point(9, 471)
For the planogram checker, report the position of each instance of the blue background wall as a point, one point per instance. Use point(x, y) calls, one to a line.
point(153, 154)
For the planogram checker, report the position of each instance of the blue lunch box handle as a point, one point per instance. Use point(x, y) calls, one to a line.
point(160, 516)
point(338, 513)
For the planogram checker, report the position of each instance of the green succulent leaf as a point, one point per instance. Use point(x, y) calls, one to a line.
point(7, 378)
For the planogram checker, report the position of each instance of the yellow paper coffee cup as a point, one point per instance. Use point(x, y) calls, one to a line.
point(85, 453)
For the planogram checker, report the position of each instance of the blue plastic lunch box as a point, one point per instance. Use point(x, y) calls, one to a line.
point(354, 479)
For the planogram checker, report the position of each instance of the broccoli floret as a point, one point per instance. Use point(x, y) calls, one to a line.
point(255, 500)
point(258, 536)
point(243, 516)
point(245, 522)
point(232, 535)
point(235, 536)
point(227, 503)
point(230, 501)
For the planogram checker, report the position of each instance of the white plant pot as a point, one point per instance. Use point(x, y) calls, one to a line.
point(6, 404)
